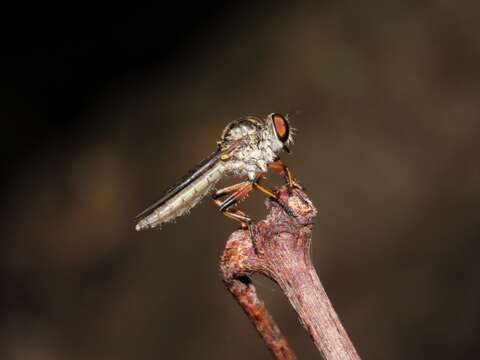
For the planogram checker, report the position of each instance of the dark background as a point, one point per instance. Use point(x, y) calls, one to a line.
point(104, 107)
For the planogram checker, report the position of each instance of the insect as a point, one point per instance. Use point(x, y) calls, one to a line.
point(248, 148)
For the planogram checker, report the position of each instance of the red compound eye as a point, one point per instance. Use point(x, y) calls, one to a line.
point(281, 127)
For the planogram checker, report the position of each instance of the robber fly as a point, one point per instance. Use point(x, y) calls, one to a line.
point(248, 148)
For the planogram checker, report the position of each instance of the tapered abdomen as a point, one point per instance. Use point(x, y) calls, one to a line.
point(184, 200)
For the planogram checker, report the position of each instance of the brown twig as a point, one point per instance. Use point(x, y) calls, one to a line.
point(283, 241)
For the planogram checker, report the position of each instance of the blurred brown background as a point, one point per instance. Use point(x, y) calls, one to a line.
point(104, 108)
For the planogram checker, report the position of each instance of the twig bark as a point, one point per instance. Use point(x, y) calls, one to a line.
point(283, 242)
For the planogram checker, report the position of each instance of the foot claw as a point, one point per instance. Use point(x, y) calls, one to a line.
point(251, 228)
point(295, 184)
point(286, 208)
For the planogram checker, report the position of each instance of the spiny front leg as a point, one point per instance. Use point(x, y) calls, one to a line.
point(279, 167)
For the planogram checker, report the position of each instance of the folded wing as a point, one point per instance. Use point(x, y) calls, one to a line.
point(180, 198)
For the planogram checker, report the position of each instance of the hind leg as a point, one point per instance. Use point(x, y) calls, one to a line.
point(235, 194)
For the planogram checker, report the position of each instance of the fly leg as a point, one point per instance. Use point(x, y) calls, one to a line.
point(230, 190)
point(236, 193)
point(262, 188)
point(278, 166)
point(271, 193)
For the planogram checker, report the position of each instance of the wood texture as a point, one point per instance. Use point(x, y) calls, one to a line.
point(283, 240)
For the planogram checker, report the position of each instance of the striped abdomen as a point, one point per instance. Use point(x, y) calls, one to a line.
point(185, 199)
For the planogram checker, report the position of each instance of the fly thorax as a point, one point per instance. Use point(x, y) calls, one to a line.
point(241, 129)
point(259, 147)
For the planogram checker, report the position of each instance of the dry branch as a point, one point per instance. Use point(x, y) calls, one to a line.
point(283, 241)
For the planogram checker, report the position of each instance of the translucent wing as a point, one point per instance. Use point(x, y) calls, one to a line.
point(203, 167)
